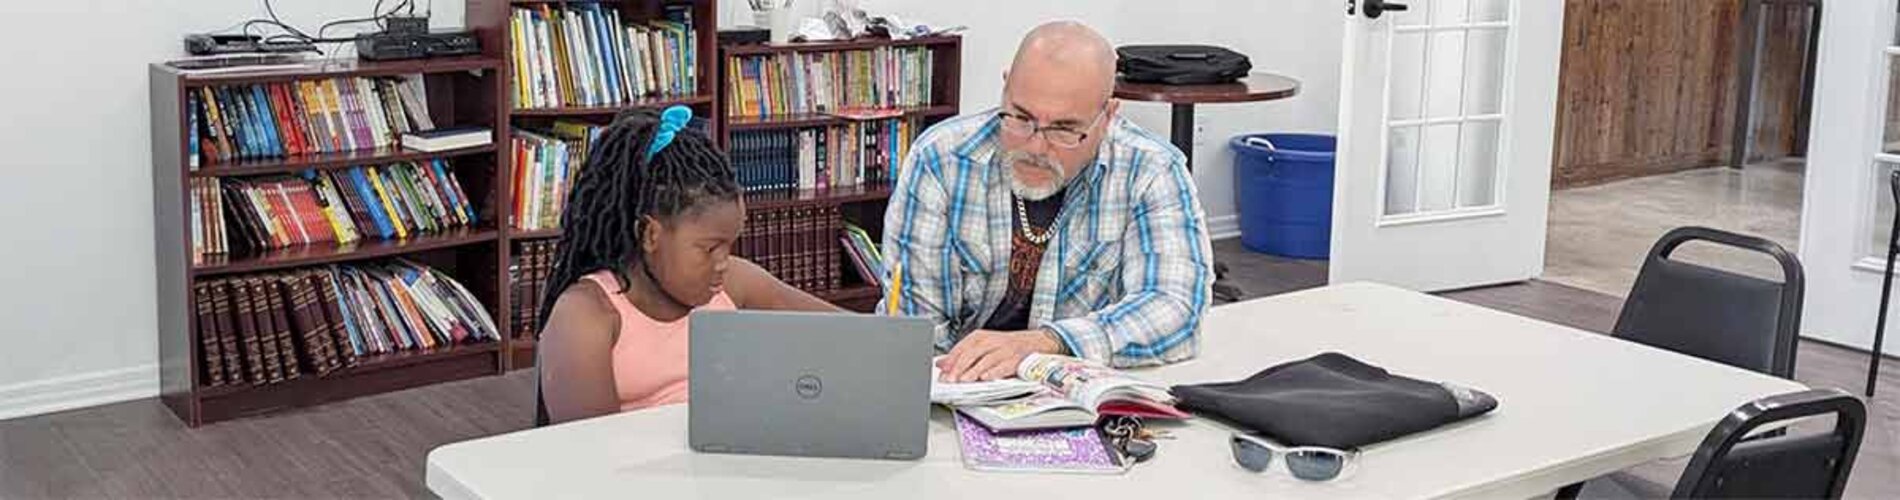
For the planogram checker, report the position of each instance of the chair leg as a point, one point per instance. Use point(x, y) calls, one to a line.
point(1570, 492)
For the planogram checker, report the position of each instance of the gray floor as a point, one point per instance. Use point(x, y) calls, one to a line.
point(1600, 234)
point(374, 447)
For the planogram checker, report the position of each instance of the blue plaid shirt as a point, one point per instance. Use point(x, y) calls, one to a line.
point(1124, 281)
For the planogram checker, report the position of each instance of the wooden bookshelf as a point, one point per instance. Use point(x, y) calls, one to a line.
point(490, 20)
point(461, 91)
point(861, 205)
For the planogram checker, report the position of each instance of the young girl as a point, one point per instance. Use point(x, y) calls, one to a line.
point(647, 239)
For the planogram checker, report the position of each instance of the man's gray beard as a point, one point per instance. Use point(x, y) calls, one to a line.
point(1024, 190)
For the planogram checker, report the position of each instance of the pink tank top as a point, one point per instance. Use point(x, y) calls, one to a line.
point(649, 356)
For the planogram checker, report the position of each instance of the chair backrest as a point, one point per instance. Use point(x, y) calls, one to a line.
point(1733, 464)
point(1709, 313)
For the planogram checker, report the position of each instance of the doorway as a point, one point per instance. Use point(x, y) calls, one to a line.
point(1653, 99)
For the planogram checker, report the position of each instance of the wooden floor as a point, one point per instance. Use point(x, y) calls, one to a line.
point(374, 447)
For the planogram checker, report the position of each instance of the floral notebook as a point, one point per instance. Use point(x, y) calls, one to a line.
point(1073, 450)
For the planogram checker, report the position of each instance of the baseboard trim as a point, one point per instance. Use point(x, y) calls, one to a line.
point(78, 391)
point(1223, 227)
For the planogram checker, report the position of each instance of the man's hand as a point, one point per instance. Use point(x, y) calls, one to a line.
point(987, 355)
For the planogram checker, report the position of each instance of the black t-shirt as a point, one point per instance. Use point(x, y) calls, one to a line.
point(1025, 258)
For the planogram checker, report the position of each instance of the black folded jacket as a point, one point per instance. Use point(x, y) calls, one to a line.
point(1334, 401)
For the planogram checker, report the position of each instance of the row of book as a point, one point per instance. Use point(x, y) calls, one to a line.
point(856, 153)
point(587, 55)
point(821, 82)
point(546, 166)
point(864, 255)
point(268, 328)
point(245, 122)
point(798, 245)
point(396, 201)
point(528, 278)
point(547, 163)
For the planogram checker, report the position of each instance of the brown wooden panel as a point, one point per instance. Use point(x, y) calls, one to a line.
point(1647, 86)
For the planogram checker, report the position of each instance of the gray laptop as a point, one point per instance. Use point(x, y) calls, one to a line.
point(809, 384)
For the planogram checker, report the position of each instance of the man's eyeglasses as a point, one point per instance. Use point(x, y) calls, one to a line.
point(1310, 463)
point(1061, 136)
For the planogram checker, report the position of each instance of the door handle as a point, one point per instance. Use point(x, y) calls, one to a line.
point(1376, 8)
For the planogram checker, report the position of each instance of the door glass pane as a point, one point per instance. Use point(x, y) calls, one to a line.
point(1484, 72)
point(1883, 210)
point(1408, 75)
point(1445, 68)
point(1478, 164)
point(1891, 140)
point(1401, 172)
point(1438, 168)
point(1448, 12)
point(1485, 11)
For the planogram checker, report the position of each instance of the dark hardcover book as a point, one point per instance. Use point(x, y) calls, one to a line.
point(210, 361)
point(278, 314)
point(262, 349)
point(266, 331)
point(223, 316)
point(347, 335)
point(311, 335)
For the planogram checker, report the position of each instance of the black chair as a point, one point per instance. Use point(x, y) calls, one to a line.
point(1732, 464)
point(1736, 461)
point(1722, 316)
point(1709, 313)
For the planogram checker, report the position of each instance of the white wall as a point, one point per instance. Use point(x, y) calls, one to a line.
point(1298, 38)
point(76, 320)
point(76, 305)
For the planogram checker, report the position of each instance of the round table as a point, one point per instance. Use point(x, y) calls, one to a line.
point(1256, 87)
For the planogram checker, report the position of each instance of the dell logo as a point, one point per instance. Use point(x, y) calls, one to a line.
point(809, 387)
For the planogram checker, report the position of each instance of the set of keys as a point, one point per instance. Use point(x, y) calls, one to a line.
point(1132, 439)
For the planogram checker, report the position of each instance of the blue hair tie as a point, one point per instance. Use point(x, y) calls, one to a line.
point(671, 121)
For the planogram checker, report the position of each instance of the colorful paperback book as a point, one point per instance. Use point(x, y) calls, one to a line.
point(1078, 450)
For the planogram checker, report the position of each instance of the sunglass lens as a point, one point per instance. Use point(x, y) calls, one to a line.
point(1315, 466)
point(1251, 456)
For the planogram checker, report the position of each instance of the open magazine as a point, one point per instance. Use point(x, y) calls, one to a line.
point(1053, 392)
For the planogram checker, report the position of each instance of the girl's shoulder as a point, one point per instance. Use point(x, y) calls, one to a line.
point(585, 306)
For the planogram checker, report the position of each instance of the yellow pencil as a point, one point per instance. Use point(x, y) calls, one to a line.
point(896, 292)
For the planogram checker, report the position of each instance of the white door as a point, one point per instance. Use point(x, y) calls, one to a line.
point(1447, 116)
point(1854, 145)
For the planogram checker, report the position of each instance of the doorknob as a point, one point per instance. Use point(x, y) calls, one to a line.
point(1376, 8)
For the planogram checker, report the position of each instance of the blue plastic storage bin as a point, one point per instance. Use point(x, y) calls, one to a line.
point(1283, 186)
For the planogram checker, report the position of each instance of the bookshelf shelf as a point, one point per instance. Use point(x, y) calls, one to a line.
point(762, 49)
point(381, 156)
point(766, 200)
point(311, 255)
point(656, 102)
point(534, 234)
point(365, 366)
point(334, 68)
point(738, 124)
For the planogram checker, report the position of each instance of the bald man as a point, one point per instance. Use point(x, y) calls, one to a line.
point(1051, 224)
